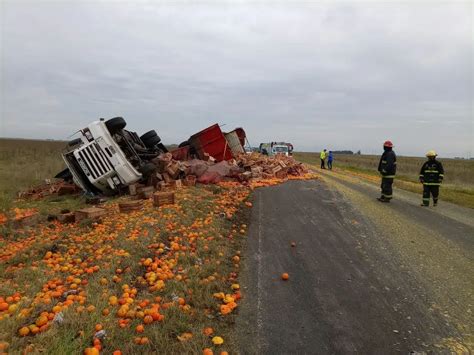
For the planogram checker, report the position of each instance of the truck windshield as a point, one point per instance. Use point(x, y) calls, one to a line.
point(280, 149)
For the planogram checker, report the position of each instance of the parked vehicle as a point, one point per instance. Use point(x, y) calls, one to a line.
point(106, 157)
point(274, 148)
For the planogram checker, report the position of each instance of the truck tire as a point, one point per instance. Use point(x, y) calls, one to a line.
point(149, 134)
point(74, 142)
point(147, 169)
point(183, 144)
point(115, 124)
point(152, 141)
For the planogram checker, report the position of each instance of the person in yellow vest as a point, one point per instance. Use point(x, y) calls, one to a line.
point(323, 158)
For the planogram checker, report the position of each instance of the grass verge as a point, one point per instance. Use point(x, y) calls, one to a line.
point(158, 280)
point(459, 194)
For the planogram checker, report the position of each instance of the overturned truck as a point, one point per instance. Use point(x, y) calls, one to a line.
point(106, 158)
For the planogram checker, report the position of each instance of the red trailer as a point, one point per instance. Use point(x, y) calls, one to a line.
point(211, 141)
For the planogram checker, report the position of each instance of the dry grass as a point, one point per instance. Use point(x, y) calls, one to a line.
point(205, 226)
point(193, 241)
point(458, 186)
point(24, 163)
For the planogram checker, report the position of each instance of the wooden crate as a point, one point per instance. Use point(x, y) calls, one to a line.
point(145, 192)
point(130, 206)
point(190, 180)
point(176, 184)
point(90, 213)
point(68, 217)
point(282, 174)
point(26, 221)
point(163, 198)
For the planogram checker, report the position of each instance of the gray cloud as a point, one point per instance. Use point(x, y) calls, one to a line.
point(337, 75)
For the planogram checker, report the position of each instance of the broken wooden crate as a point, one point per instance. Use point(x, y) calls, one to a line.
point(163, 198)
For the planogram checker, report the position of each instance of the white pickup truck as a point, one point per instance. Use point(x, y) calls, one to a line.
point(273, 149)
point(106, 157)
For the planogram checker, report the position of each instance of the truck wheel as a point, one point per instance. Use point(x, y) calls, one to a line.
point(147, 169)
point(150, 142)
point(115, 124)
point(183, 144)
point(149, 134)
point(74, 142)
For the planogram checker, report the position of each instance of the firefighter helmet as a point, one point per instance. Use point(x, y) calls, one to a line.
point(431, 153)
point(388, 144)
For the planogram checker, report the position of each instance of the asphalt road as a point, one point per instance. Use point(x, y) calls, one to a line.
point(365, 277)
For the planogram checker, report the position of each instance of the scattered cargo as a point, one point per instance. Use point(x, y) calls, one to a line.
point(107, 159)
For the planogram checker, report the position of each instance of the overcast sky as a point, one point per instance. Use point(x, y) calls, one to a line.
point(345, 75)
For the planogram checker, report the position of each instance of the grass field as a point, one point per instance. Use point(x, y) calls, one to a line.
point(458, 185)
point(24, 163)
point(158, 280)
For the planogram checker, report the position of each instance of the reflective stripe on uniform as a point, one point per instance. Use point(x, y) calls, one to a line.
point(388, 176)
point(431, 171)
point(432, 183)
point(426, 199)
point(441, 175)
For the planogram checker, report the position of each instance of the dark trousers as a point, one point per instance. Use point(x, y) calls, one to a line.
point(329, 164)
point(322, 164)
point(386, 187)
point(432, 190)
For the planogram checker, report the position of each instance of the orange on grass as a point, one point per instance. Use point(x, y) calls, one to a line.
point(24, 331)
point(91, 351)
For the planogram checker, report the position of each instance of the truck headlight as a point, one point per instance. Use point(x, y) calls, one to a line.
point(87, 134)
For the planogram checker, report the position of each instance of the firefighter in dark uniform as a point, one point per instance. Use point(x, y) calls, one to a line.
point(387, 168)
point(431, 176)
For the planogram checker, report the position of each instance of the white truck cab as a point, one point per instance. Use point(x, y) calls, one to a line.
point(106, 157)
point(280, 149)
